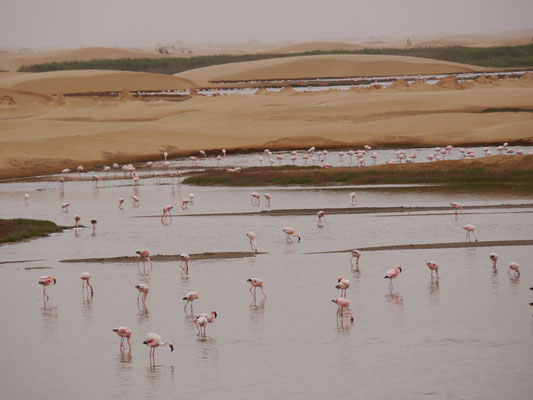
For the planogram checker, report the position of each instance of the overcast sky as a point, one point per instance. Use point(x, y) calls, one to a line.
point(74, 23)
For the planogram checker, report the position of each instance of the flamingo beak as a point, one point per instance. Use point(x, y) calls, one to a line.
point(171, 348)
point(55, 280)
point(145, 342)
point(185, 298)
point(249, 280)
point(400, 268)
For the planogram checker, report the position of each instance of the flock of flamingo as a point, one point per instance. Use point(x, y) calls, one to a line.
point(201, 321)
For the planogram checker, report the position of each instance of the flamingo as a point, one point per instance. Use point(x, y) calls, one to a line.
point(321, 218)
point(267, 199)
point(194, 162)
point(62, 184)
point(203, 319)
point(343, 307)
point(256, 283)
point(470, 229)
point(256, 198)
point(134, 201)
point(253, 244)
point(106, 170)
point(46, 281)
point(290, 233)
point(514, 267)
point(342, 285)
point(185, 261)
point(115, 167)
point(355, 254)
point(494, 258)
point(95, 181)
point(80, 170)
point(191, 198)
point(190, 297)
point(85, 277)
point(433, 266)
point(124, 333)
point(154, 340)
point(165, 155)
point(121, 203)
point(353, 200)
point(203, 154)
point(457, 207)
point(65, 171)
point(149, 164)
point(224, 153)
point(185, 203)
point(27, 199)
point(392, 274)
point(64, 207)
point(166, 213)
point(260, 160)
point(144, 256)
point(143, 290)
point(77, 219)
point(93, 222)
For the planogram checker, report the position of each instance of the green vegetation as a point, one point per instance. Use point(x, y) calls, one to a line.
point(505, 56)
point(281, 176)
point(14, 230)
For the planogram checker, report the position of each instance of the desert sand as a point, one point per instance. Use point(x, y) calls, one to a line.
point(42, 131)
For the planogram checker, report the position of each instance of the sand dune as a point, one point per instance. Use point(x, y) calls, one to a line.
point(314, 46)
point(90, 81)
point(13, 61)
point(38, 135)
point(323, 66)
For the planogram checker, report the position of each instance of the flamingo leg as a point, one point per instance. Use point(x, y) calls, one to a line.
point(263, 292)
point(186, 304)
point(197, 327)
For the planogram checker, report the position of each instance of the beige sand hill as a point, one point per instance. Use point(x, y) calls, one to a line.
point(314, 46)
point(13, 61)
point(90, 81)
point(40, 136)
point(323, 66)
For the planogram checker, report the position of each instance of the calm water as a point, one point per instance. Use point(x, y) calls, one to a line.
point(469, 336)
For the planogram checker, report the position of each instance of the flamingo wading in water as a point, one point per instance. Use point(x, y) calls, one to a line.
point(457, 207)
point(514, 267)
point(355, 254)
point(184, 264)
point(256, 283)
point(85, 277)
point(343, 308)
point(470, 230)
point(46, 281)
point(144, 256)
point(154, 340)
point(124, 333)
point(203, 319)
point(290, 234)
point(253, 244)
point(392, 274)
point(321, 218)
point(494, 258)
point(143, 290)
point(433, 266)
point(343, 285)
point(190, 297)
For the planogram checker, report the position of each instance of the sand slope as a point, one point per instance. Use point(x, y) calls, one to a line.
point(90, 81)
point(314, 46)
point(40, 135)
point(323, 66)
point(13, 61)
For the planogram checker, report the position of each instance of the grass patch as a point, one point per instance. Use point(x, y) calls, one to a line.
point(498, 57)
point(437, 173)
point(15, 230)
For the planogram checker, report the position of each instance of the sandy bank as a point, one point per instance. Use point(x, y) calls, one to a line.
point(165, 257)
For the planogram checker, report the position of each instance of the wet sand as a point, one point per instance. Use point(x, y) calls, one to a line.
point(166, 257)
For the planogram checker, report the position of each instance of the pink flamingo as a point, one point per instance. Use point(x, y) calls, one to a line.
point(184, 264)
point(267, 199)
point(93, 222)
point(514, 267)
point(95, 181)
point(134, 201)
point(115, 167)
point(165, 155)
point(353, 200)
point(106, 170)
point(203, 154)
point(433, 266)
point(256, 283)
point(144, 256)
point(149, 164)
point(153, 340)
point(457, 207)
point(77, 220)
point(121, 203)
point(321, 218)
point(194, 162)
point(27, 199)
point(224, 153)
point(494, 258)
point(290, 233)
point(392, 274)
point(46, 281)
point(190, 297)
point(203, 319)
point(342, 285)
point(185, 203)
point(470, 229)
point(124, 333)
point(85, 277)
point(143, 290)
point(256, 199)
point(355, 254)
point(253, 244)
point(80, 170)
point(166, 213)
point(343, 307)
point(64, 207)
point(62, 184)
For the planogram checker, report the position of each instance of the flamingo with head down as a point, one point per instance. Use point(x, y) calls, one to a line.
point(290, 234)
point(153, 340)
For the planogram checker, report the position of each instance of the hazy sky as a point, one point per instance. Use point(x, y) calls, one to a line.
point(73, 23)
